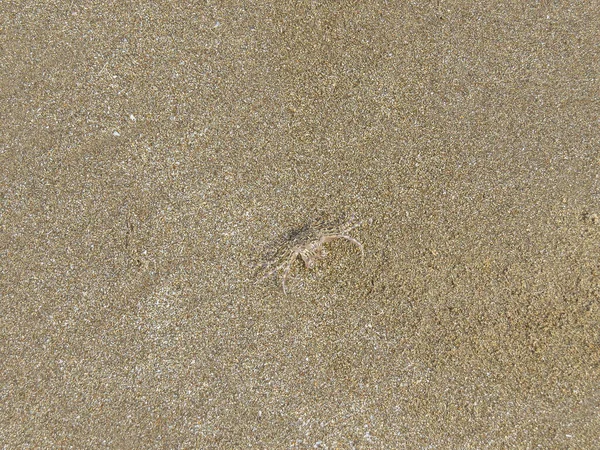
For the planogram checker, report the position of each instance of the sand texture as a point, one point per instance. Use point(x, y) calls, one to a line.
point(157, 159)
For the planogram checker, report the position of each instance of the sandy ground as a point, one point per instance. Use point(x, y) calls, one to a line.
point(149, 154)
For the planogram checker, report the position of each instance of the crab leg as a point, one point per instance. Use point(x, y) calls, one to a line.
point(354, 241)
point(288, 267)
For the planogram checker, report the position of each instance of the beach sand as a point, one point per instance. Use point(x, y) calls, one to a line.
point(150, 154)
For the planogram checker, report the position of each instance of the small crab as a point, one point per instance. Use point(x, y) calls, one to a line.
point(308, 243)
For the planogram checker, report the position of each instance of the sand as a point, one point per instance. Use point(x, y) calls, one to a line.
point(150, 153)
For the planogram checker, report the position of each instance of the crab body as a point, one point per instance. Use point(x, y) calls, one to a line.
point(308, 244)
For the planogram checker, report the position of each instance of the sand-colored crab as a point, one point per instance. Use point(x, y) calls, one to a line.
point(308, 243)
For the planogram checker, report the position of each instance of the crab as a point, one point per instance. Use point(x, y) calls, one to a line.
point(308, 243)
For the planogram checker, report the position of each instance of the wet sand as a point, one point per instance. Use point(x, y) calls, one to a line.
point(150, 154)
